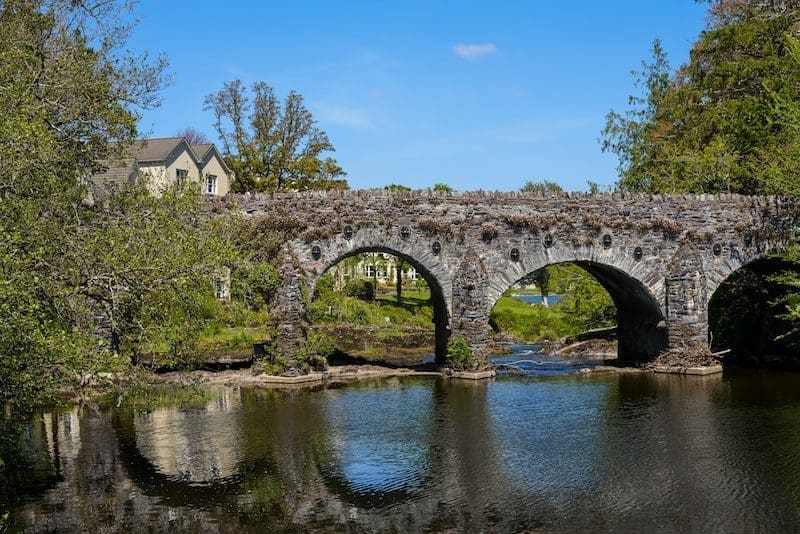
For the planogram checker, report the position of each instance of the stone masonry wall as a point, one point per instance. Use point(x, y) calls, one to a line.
point(660, 257)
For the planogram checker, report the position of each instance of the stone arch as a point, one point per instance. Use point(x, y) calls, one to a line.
point(732, 258)
point(634, 285)
point(726, 266)
point(434, 268)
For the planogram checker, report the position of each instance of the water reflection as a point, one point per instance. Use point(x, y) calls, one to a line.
point(556, 453)
point(194, 445)
point(380, 438)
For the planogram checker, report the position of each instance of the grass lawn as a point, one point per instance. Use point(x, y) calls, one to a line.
point(525, 321)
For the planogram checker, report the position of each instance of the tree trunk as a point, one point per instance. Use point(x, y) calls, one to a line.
point(544, 300)
point(399, 275)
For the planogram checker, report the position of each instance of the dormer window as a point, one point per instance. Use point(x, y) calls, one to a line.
point(181, 175)
point(211, 184)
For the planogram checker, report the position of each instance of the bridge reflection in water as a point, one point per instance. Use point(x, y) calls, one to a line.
point(629, 452)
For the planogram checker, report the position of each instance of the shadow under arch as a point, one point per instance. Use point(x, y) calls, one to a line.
point(642, 331)
point(742, 314)
point(441, 315)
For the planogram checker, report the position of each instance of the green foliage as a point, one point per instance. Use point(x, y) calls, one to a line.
point(723, 121)
point(272, 146)
point(727, 121)
point(584, 305)
point(459, 353)
point(544, 186)
point(315, 351)
point(261, 239)
point(276, 365)
point(255, 283)
point(754, 310)
point(527, 322)
point(396, 187)
point(56, 122)
point(147, 265)
point(331, 306)
point(359, 288)
point(442, 188)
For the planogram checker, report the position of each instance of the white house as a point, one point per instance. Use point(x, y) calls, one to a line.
point(164, 162)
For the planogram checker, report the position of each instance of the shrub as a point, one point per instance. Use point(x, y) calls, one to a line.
point(360, 289)
point(459, 353)
point(255, 284)
point(315, 350)
point(276, 365)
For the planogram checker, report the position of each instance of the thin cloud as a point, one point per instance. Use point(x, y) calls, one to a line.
point(344, 116)
point(474, 51)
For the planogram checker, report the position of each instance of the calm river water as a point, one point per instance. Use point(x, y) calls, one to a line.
point(548, 451)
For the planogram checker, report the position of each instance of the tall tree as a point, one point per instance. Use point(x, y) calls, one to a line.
point(726, 121)
point(719, 123)
point(272, 146)
point(399, 266)
point(542, 279)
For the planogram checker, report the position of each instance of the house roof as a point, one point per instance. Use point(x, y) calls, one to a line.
point(154, 150)
point(202, 150)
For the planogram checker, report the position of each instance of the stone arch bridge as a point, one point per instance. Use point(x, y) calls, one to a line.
point(659, 257)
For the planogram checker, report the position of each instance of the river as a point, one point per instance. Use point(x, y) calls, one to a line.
point(548, 450)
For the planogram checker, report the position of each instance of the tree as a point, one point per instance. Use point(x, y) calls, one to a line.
point(399, 267)
point(272, 146)
point(67, 88)
point(542, 187)
point(141, 270)
point(442, 188)
point(627, 134)
point(542, 279)
point(194, 136)
point(719, 123)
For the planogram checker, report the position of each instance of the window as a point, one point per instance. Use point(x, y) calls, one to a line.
point(369, 270)
point(412, 273)
point(180, 176)
point(221, 289)
point(211, 184)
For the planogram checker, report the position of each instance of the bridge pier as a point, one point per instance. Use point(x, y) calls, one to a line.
point(470, 318)
point(290, 311)
point(687, 311)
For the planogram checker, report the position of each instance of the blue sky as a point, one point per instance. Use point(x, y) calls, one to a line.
point(477, 95)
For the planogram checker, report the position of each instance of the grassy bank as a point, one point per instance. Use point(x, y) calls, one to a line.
point(585, 305)
point(229, 331)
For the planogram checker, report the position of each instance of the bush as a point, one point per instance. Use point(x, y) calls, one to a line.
point(360, 289)
point(314, 351)
point(459, 353)
point(276, 365)
point(255, 284)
